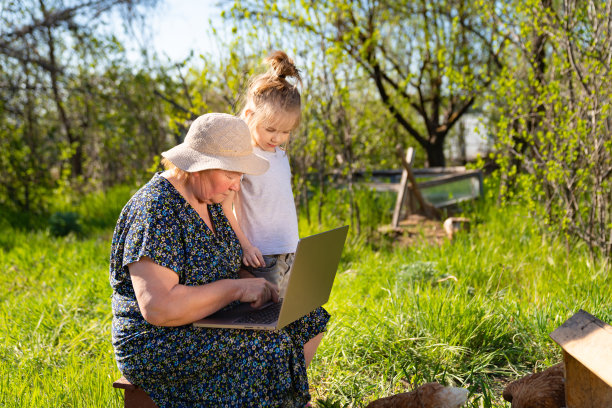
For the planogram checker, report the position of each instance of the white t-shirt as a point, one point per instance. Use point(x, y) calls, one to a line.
point(265, 207)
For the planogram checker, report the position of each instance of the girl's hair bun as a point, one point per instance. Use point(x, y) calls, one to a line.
point(282, 66)
point(270, 92)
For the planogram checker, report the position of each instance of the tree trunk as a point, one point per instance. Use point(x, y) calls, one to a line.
point(74, 140)
point(321, 178)
point(435, 154)
point(462, 143)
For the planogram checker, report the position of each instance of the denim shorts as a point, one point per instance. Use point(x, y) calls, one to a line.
point(276, 270)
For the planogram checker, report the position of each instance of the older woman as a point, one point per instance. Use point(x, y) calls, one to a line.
point(175, 259)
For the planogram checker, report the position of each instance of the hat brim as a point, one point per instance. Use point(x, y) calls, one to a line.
point(189, 160)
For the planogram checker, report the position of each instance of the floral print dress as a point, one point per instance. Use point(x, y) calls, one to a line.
point(187, 366)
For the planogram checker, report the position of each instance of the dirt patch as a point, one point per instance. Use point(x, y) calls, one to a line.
point(416, 230)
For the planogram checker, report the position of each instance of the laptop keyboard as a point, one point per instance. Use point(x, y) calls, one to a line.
point(262, 316)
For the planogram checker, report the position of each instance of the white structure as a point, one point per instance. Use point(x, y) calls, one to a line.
point(468, 139)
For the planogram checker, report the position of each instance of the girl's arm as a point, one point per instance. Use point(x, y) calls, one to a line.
point(251, 255)
point(165, 302)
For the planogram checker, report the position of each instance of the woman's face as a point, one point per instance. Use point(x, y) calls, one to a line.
point(213, 186)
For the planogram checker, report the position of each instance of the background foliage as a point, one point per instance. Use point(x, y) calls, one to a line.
point(82, 127)
point(428, 61)
point(553, 117)
point(77, 116)
point(474, 312)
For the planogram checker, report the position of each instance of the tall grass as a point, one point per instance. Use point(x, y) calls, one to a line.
point(55, 323)
point(55, 308)
point(474, 312)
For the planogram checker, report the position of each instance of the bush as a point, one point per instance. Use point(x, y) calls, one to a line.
point(553, 121)
point(62, 223)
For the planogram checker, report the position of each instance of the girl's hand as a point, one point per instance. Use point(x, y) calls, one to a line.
point(251, 256)
point(258, 292)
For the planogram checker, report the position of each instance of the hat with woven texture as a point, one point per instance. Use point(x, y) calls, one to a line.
point(217, 141)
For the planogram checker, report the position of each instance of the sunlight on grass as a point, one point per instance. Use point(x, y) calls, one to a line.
point(56, 317)
point(475, 312)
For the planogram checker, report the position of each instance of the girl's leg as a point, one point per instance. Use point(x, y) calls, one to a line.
point(310, 348)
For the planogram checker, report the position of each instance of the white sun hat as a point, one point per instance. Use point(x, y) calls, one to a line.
point(217, 141)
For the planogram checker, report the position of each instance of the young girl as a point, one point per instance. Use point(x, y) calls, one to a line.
point(267, 224)
point(267, 220)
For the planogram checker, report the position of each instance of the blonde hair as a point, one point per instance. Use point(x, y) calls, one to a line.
point(180, 174)
point(270, 93)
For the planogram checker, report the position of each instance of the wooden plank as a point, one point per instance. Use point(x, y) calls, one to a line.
point(450, 178)
point(583, 389)
point(438, 170)
point(588, 340)
point(397, 172)
point(454, 201)
point(429, 210)
point(399, 187)
point(393, 187)
point(401, 194)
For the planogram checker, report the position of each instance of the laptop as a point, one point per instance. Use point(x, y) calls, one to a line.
point(310, 282)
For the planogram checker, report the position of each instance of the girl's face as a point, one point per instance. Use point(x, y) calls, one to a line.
point(213, 186)
point(270, 134)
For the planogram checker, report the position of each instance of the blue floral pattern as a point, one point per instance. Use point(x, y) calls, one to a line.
point(195, 367)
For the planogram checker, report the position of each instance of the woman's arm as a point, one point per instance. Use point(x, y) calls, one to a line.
point(165, 302)
point(251, 255)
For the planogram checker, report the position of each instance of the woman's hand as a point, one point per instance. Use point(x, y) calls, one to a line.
point(163, 301)
point(251, 256)
point(258, 292)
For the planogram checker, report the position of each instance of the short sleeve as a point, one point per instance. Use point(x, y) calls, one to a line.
point(155, 232)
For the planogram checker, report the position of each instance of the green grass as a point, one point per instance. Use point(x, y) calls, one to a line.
point(55, 320)
point(475, 312)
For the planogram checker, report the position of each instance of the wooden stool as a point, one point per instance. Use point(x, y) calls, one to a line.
point(134, 397)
